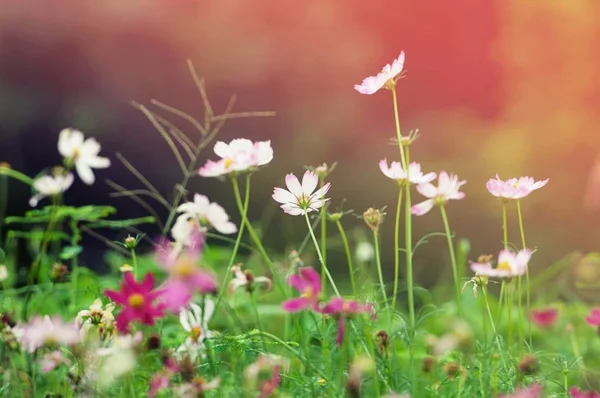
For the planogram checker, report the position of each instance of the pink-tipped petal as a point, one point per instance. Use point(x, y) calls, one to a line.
point(422, 208)
point(296, 304)
point(293, 185)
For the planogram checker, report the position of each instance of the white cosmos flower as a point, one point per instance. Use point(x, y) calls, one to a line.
point(207, 213)
point(299, 199)
point(395, 171)
point(83, 153)
point(510, 264)
point(50, 185)
point(195, 322)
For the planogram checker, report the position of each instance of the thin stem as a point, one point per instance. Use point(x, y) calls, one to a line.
point(348, 256)
point(35, 268)
point(75, 238)
point(244, 214)
point(504, 226)
point(312, 235)
point(452, 259)
point(256, 239)
point(323, 239)
point(397, 249)
point(527, 284)
point(398, 131)
point(134, 263)
point(379, 272)
point(520, 315)
point(408, 250)
point(258, 323)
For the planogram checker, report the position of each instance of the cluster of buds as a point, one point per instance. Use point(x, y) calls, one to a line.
point(323, 170)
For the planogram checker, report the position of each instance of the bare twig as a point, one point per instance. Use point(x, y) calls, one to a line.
point(139, 201)
point(108, 242)
point(181, 114)
point(243, 115)
point(179, 135)
point(208, 114)
point(122, 191)
point(139, 175)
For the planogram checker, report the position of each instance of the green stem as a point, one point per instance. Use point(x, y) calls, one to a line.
point(398, 131)
point(379, 273)
point(504, 226)
point(323, 238)
point(348, 256)
point(258, 323)
point(256, 239)
point(509, 304)
point(75, 238)
point(452, 259)
point(16, 175)
point(397, 249)
point(527, 283)
point(134, 263)
point(312, 235)
point(35, 268)
point(238, 240)
point(520, 315)
point(409, 249)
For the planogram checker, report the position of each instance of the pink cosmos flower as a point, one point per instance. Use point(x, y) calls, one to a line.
point(137, 300)
point(544, 318)
point(308, 283)
point(268, 387)
point(513, 188)
point(186, 277)
point(575, 392)
point(510, 264)
point(395, 171)
point(299, 199)
point(46, 331)
point(532, 391)
point(386, 78)
point(51, 361)
point(594, 318)
point(207, 214)
point(448, 189)
point(343, 309)
point(238, 156)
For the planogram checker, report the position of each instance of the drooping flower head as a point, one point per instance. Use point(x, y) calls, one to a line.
point(206, 214)
point(510, 264)
point(46, 331)
point(448, 189)
point(137, 301)
point(50, 185)
point(513, 188)
point(395, 171)
point(308, 283)
point(386, 78)
point(240, 155)
point(342, 309)
point(186, 277)
point(544, 318)
point(82, 153)
point(300, 199)
point(593, 319)
point(245, 279)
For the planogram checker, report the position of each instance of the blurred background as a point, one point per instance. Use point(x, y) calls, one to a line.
point(507, 87)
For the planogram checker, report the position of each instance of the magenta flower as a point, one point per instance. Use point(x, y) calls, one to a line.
point(532, 391)
point(137, 300)
point(343, 309)
point(299, 199)
point(386, 78)
point(513, 188)
point(185, 276)
point(308, 283)
point(594, 318)
point(240, 155)
point(510, 264)
point(544, 318)
point(395, 171)
point(575, 392)
point(448, 189)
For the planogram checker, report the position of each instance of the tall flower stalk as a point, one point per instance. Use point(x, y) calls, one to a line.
point(452, 259)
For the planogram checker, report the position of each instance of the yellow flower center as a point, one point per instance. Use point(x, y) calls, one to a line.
point(228, 163)
point(195, 333)
point(308, 292)
point(136, 300)
point(184, 267)
point(504, 266)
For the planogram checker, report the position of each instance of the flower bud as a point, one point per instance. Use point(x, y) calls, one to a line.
point(373, 218)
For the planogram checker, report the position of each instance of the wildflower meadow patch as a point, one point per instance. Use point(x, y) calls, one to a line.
point(189, 318)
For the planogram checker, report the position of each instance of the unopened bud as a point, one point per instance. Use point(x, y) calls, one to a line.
point(373, 218)
point(130, 242)
point(58, 272)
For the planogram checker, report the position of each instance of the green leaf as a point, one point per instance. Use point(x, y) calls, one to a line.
point(122, 223)
point(39, 235)
point(69, 252)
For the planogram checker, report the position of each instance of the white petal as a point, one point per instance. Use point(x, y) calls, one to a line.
point(293, 185)
point(309, 182)
point(85, 173)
